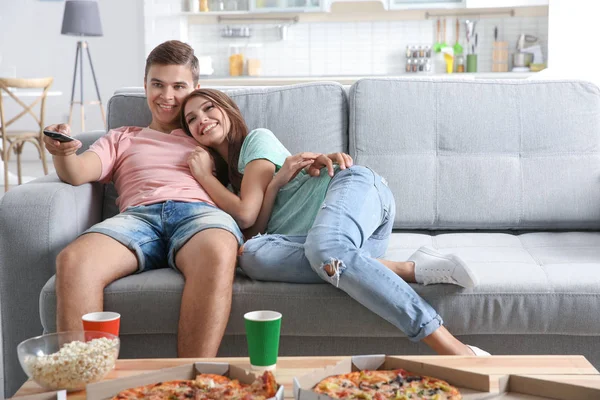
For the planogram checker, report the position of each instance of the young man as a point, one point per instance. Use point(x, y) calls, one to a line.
point(166, 217)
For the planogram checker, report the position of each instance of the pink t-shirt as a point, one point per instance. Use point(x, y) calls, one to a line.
point(148, 166)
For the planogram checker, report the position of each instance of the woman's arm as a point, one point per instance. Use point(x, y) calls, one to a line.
point(260, 225)
point(290, 168)
point(245, 208)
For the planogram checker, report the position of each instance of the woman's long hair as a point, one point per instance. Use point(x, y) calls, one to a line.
point(236, 135)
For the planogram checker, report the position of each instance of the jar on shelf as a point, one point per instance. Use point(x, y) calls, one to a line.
point(253, 59)
point(217, 5)
point(231, 5)
point(236, 61)
point(460, 63)
point(194, 5)
point(427, 67)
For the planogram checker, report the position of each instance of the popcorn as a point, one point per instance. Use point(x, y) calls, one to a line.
point(75, 364)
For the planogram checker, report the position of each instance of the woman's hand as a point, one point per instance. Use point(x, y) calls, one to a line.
point(342, 159)
point(201, 163)
point(292, 166)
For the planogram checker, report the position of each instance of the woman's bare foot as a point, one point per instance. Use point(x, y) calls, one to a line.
point(404, 269)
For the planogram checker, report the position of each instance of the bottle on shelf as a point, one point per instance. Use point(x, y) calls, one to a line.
point(194, 5)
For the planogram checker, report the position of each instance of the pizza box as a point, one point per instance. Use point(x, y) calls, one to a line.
point(108, 389)
point(472, 386)
point(56, 395)
point(521, 387)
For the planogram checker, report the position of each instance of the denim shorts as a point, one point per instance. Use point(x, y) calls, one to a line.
point(157, 231)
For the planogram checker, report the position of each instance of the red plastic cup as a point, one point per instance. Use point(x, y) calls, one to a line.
point(104, 321)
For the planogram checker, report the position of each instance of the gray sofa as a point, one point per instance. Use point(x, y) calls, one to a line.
point(504, 173)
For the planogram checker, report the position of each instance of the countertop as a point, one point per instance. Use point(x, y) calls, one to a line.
point(209, 80)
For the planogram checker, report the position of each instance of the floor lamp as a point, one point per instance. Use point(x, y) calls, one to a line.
point(82, 18)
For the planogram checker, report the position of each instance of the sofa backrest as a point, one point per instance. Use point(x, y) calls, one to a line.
point(482, 154)
point(305, 117)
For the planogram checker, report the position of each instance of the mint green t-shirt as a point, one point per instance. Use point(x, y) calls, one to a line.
point(298, 202)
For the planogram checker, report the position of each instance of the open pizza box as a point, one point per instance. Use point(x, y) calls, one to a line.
point(472, 386)
point(108, 389)
point(518, 387)
point(55, 395)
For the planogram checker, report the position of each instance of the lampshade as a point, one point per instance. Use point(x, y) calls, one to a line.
point(81, 18)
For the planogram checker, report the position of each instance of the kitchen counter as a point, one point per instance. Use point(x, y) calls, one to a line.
point(345, 80)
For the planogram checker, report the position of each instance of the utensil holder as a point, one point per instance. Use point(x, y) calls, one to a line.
point(472, 63)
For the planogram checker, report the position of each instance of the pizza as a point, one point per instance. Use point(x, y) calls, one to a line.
point(397, 384)
point(205, 387)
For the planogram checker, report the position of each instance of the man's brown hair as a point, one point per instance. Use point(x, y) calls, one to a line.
point(174, 52)
point(236, 135)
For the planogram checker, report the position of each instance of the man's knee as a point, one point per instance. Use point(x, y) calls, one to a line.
point(67, 260)
point(216, 262)
point(79, 263)
point(224, 254)
point(217, 277)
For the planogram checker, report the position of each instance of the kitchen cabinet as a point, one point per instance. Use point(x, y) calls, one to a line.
point(425, 4)
point(505, 3)
point(296, 6)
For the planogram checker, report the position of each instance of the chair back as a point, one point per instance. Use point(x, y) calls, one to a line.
point(14, 140)
point(8, 84)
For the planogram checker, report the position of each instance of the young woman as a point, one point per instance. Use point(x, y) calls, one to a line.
point(322, 224)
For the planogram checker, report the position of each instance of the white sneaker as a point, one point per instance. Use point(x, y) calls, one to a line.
point(433, 267)
point(478, 352)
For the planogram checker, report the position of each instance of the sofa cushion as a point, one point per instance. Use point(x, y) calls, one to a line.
point(305, 117)
point(531, 283)
point(482, 154)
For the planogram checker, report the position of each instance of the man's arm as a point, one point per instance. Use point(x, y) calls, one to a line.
point(70, 167)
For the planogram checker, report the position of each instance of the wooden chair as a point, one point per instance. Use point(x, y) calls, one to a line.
point(14, 140)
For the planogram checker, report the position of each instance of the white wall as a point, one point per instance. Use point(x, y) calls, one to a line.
point(31, 43)
point(572, 47)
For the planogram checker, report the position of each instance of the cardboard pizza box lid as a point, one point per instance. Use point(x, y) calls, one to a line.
point(55, 395)
point(517, 387)
point(473, 386)
point(108, 389)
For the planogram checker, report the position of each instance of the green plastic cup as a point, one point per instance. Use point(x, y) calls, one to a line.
point(262, 333)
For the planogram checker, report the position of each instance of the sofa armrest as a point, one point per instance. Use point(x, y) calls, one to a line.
point(37, 220)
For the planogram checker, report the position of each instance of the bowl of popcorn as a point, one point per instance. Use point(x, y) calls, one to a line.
point(68, 360)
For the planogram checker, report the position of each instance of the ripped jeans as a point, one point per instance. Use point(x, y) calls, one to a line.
point(350, 231)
